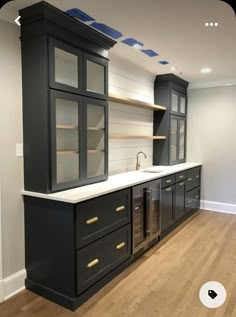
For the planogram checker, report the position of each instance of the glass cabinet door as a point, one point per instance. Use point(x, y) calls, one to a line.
point(174, 102)
point(96, 117)
point(181, 141)
point(173, 138)
point(96, 76)
point(65, 141)
point(66, 67)
point(182, 108)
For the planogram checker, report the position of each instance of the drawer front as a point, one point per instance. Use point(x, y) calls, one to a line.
point(181, 176)
point(100, 257)
point(168, 180)
point(192, 199)
point(193, 178)
point(100, 216)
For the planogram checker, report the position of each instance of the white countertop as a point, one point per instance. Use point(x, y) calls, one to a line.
point(113, 183)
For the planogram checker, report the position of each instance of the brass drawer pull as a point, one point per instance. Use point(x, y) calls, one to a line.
point(169, 181)
point(121, 208)
point(92, 220)
point(181, 184)
point(93, 263)
point(181, 176)
point(120, 246)
point(189, 201)
point(190, 179)
point(197, 196)
point(197, 176)
point(168, 189)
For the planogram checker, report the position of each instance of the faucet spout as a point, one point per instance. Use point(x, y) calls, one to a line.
point(137, 159)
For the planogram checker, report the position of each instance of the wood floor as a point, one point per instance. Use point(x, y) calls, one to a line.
point(165, 282)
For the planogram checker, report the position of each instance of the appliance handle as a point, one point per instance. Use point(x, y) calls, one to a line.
point(147, 212)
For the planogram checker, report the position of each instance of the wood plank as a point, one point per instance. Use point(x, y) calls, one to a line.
point(164, 282)
point(113, 136)
point(70, 127)
point(135, 103)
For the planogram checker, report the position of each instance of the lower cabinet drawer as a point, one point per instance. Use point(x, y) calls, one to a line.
point(193, 178)
point(99, 216)
point(192, 199)
point(100, 257)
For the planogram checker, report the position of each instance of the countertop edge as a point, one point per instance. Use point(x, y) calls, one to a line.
point(148, 177)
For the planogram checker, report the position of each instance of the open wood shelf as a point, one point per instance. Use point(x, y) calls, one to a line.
point(115, 136)
point(135, 103)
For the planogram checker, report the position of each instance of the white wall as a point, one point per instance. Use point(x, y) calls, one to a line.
point(130, 81)
point(11, 167)
point(212, 141)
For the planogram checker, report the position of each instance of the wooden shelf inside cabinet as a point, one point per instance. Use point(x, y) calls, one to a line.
point(95, 151)
point(67, 152)
point(160, 137)
point(95, 129)
point(135, 103)
point(69, 127)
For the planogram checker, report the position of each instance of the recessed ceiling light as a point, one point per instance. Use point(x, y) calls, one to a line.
point(206, 70)
point(211, 24)
point(206, 24)
point(173, 68)
point(216, 24)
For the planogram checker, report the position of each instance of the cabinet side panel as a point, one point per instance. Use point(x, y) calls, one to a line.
point(50, 244)
point(35, 114)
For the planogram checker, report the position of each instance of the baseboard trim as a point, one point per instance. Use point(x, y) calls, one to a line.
point(12, 285)
point(219, 207)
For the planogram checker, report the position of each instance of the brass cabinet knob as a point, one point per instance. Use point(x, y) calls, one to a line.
point(93, 263)
point(120, 246)
point(92, 220)
point(120, 208)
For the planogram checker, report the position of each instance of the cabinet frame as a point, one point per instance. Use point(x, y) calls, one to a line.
point(104, 104)
point(52, 44)
point(53, 154)
point(179, 95)
point(177, 161)
point(99, 61)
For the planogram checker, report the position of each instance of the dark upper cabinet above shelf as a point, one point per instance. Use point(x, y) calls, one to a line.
point(65, 113)
point(171, 91)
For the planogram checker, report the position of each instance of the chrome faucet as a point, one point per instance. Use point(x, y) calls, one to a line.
point(137, 161)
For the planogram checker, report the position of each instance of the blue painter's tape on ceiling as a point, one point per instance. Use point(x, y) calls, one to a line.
point(163, 62)
point(149, 53)
point(77, 13)
point(131, 42)
point(107, 30)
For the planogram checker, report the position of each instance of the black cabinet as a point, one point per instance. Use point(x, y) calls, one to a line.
point(65, 80)
point(72, 250)
point(171, 91)
point(180, 200)
point(167, 207)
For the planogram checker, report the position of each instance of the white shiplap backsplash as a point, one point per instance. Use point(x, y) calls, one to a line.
point(127, 80)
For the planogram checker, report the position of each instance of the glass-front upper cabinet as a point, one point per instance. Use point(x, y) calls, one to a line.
point(66, 67)
point(96, 81)
point(66, 140)
point(178, 103)
point(177, 139)
point(96, 140)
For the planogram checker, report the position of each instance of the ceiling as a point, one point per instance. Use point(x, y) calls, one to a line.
point(175, 29)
